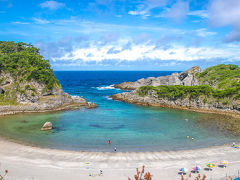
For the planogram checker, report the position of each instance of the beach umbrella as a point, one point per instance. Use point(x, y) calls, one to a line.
point(224, 163)
point(210, 165)
point(196, 168)
point(183, 170)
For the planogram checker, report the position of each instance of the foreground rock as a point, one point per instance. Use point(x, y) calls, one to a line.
point(47, 126)
point(186, 78)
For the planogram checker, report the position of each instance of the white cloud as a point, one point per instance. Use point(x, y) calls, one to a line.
point(145, 51)
point(41, 21)
point(178, 11)
point(226, 13)
point(52, 5)
point(203, 32)
point(200, 13)
point(145, 8)
point(137, 12)
point(18, 22)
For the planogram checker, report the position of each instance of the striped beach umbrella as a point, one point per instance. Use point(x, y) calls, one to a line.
point(210, 165)
point(184, 170)
point(196, 168)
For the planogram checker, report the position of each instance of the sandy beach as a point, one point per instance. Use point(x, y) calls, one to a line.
point(26, 162)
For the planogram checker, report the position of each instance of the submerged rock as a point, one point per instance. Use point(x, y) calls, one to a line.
point(47, 126)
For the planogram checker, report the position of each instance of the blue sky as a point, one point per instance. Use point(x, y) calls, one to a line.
point(124, 34)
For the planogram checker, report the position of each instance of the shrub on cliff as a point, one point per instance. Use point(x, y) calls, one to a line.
point(172, 92)
point(217, 83)
point(23, 61)
point(221, 76)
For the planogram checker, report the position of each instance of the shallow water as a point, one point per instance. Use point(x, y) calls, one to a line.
point(130, 127)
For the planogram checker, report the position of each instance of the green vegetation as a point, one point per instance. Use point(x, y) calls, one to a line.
point(221, 76)
point(180, 92)
point(24, 62)
point(3, 101)
point(177, 91)
point(217, 84)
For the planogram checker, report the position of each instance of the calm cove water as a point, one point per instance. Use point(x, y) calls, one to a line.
point(130, 127)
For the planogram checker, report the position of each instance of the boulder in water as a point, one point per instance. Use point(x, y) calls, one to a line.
point(91, 105)
point(47, 126)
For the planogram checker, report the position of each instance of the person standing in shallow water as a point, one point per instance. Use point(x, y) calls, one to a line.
point(115, 149)
point(109, 141)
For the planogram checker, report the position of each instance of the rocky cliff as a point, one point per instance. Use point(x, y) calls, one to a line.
point(216, 89)
point(31, 96)
point(187, 78)
point(27, 82)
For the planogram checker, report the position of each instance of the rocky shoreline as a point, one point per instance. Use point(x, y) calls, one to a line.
point(41, 108)
point(187, 78)
point(132, 98)
point(12, 110)
point(32, 96)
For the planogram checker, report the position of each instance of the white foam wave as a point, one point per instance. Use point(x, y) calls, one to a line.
point(108, 98)
point(106, 87)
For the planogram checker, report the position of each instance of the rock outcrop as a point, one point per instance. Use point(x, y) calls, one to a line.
point(223, 97)
point(46, 126)
point(196, 104)
point(28, 84)
point(91, 105)
point(31, 96)
point(186, 78)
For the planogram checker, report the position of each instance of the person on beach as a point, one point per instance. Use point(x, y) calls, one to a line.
point(115, 149)
point(101, 173)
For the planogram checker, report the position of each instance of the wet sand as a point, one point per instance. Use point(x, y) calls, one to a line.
point(26, 162)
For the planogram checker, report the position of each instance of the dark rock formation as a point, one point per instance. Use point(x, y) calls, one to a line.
point(1, 91)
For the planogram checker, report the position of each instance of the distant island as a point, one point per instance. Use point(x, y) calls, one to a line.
point(216, 89)
point(28, 84)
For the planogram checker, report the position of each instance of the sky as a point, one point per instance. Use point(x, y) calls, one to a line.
point(126, 34)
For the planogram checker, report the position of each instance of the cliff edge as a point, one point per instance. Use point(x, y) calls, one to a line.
point(28, 84)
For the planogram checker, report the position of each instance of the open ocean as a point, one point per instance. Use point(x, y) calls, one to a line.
point(130, 127)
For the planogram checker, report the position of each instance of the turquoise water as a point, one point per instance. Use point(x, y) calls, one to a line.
point(130, 127)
